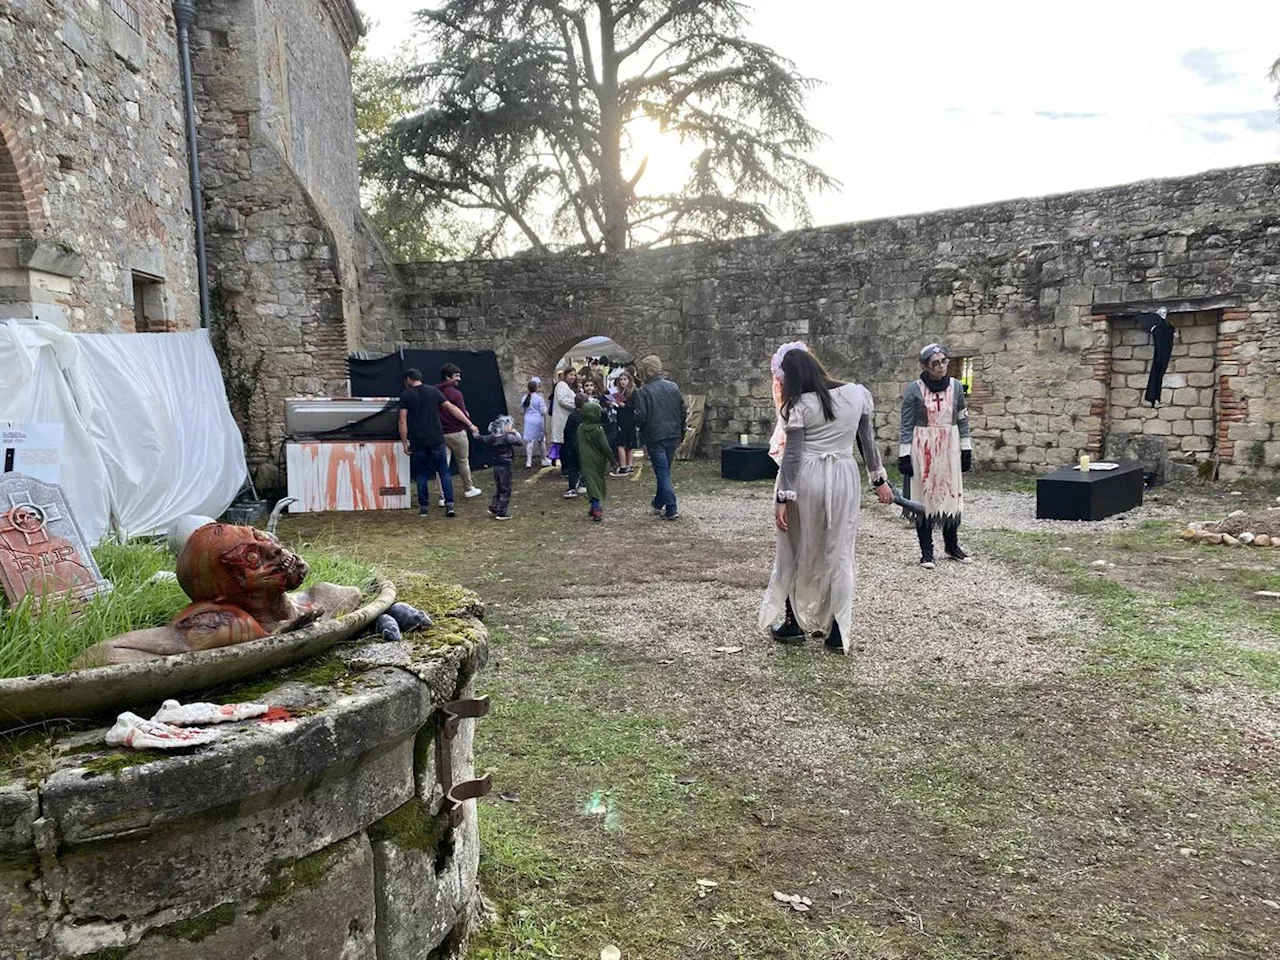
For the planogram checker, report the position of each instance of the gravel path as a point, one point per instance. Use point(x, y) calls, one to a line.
point(1001, 625)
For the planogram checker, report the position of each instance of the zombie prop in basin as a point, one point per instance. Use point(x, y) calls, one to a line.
point(238, 579)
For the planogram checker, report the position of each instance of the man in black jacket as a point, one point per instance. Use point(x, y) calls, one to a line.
point(661, 415)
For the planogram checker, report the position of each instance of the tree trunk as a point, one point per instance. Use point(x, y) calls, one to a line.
point(611, 182)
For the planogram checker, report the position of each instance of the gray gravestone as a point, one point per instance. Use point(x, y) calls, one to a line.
point(43, 552)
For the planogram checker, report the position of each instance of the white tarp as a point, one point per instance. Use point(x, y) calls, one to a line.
point(149, 436)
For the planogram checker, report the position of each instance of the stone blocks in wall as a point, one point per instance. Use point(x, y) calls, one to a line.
point(1027, 289)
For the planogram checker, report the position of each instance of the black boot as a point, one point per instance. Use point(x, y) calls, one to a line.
point(834, 643)
point(789, 632)
point(924, 533)
point(951, 544)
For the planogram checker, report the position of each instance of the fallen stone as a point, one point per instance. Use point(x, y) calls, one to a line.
point(1230, 541)
point(1262, 540)
point(1246, 537)
point(1208, 536)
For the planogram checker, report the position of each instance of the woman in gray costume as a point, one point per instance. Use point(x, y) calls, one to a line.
point(817, 498)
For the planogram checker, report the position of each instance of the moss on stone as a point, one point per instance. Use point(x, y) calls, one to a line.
point(286, 876)
point(115, 763)
point(412, 827)
point(110, 953)
point(198, 928)
point(439, 600)
point(323, 672)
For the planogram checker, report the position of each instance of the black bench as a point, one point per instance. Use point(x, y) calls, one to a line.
point(1069, 494)
point(747, 461)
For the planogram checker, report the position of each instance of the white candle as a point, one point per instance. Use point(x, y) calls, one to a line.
point(743, 438)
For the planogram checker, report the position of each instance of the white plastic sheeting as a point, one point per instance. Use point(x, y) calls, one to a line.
point(149, 435)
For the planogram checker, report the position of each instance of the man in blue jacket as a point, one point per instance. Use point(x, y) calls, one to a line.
point(661, 415)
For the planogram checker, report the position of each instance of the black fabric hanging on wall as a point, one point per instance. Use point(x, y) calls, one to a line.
point(1161, 331)
point(481, 383)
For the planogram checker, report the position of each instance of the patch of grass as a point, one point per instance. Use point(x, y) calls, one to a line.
point(47, 641)
point(941, 817)
point(36, 641)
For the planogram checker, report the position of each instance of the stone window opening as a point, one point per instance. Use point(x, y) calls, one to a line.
point(961, 368)
point(149, 304)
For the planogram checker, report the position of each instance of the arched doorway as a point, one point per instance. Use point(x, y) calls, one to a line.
point(20, 213)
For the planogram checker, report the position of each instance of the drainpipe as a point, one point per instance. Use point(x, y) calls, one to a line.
point(184, 14)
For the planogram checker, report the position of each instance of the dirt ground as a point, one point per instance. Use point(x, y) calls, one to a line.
point(1065, 749)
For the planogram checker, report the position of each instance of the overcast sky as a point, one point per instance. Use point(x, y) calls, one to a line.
point(938, 103)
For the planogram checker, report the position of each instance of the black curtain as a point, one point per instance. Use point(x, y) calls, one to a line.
point(481, 383)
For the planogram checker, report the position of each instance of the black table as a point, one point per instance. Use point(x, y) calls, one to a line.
point(747, 461)
point(1069, 494)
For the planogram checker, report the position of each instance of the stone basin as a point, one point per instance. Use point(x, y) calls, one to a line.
point(321, 832)
point(100, 690)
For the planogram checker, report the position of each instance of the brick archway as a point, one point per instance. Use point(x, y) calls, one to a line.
point(21, 213)
point(553, 342)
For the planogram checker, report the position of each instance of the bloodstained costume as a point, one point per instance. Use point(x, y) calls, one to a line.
point(934, 449)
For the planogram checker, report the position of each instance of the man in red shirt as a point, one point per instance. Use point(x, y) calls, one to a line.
point(456, 438)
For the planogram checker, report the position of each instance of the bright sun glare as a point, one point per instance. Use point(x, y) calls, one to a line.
point(669, 159)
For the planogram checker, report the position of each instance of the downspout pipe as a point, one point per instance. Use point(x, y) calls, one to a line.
point(184, 14)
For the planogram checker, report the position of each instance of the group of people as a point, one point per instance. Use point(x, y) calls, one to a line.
point(587, 427)
point(590, 428)
point(598, 418)
point(817, 494)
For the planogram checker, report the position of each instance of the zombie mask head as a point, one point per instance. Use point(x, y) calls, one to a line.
point(240, 565)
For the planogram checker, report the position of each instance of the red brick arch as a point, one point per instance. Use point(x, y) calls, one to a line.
point(21, 214)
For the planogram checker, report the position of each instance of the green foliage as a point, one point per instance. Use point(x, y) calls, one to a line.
point(528, 111)
point(412, 228)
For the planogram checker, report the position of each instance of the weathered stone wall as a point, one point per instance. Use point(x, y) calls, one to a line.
point(281, 225)
point(322, 836)
point(1029, 289)
point(93, 171)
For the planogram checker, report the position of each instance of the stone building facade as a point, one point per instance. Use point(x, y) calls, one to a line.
point(95, 207)
point(96, 230)
point(1036, 295)
point(281, 190)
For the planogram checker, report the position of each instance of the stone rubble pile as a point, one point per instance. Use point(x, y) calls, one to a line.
point(1238, 529)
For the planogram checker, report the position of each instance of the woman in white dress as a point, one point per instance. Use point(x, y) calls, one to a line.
point(561, 406)
point(817, 496)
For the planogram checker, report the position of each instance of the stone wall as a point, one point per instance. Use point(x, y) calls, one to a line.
point(1028, 289)
point(273, 94)
point(317, 837)
point(93, 174)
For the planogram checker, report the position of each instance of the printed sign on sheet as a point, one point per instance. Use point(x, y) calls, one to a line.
point(34, 449)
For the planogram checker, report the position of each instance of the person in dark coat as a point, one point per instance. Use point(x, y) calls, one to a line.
point(660, 415)
point(570, 465)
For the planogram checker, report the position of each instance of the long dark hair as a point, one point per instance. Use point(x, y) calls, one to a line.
point(802, 373)
point(530, 390)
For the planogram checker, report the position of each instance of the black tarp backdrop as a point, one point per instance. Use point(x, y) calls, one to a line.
point(481, 383)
